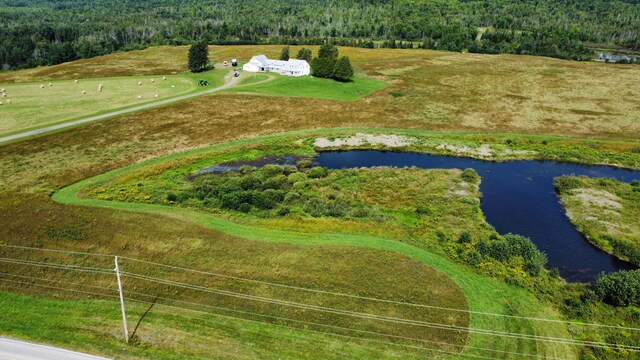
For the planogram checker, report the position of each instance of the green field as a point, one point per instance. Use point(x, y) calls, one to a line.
point(30, 105)
point(307, 86)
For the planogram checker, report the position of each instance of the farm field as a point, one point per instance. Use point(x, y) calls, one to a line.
point(522, 107)
point(36, 104)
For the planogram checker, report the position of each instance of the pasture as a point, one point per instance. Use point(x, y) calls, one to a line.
point(36, 104)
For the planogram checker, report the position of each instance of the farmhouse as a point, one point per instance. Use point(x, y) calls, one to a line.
point(292, 67)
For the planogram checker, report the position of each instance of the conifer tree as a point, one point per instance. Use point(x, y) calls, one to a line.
point(304, 54)
point(284, 54)
point(343, 70)
point(198, 56)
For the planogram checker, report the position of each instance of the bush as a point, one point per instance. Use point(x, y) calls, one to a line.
point(360, 212)
point(621, 288)
point(297, 176)
point(465, 237)
point(304, 163)
point(277, 182)
point(567, 183)
point(511, 246)
point(172, 197)
point(235, 199)
point(250, 182)
point(283, 211)
point(424, 210)
point(317, 172)
point(291, 197)
point(470, 176)
point(315, 207)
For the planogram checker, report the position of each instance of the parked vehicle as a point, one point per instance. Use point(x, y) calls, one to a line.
point(236, 73)
point(234, 62)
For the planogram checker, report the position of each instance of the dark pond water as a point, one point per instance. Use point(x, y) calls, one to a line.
point(518, 197)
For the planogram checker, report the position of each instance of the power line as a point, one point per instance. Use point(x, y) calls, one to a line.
point(333, 293)
point(315, 331)
point(58, 288)
point(386, 318)
point(332, 326)
point(57, 266)
point(56, 281)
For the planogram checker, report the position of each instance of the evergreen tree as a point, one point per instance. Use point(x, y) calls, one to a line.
point(198, 56)
point(343, 71)
point(322, 67)
point(304, 54)
point(284, 54)
point(328, 51)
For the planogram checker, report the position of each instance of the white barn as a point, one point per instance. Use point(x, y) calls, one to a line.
point(292, 67)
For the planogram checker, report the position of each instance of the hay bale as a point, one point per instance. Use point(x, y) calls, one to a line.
point(164, 78)
point(139, 97)
point(50, 84)
point(156, 95)
point(4, 95)
point(3, 90)
point(173, 86)
point(8, 101)
point(99, 87)
point(76, 81)
point(41, 86)
point(84, 91)
point(139, 83)
point(152, 81)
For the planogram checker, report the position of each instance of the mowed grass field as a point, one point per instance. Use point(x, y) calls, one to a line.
point(433, 91)
point(309, 87)
point(29, 105)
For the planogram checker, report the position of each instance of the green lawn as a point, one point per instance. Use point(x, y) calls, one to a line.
point(307, 86)
point(29, 105)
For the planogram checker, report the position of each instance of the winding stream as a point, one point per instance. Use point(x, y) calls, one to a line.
point(518, 197)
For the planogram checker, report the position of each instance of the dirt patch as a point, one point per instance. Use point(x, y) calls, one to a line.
point(482, 151)
point(364, 139)
point(599, 198)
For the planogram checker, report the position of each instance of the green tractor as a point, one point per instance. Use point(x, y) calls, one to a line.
point(203, 83)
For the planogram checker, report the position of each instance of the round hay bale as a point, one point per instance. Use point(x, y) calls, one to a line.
point(156, 95)
point(4, 90)
point(139, 97)
point(76, 81)
point(8, 101)
point(50, 84)
point(84, 91)
point(152, 81)
point(139, 83)
point(164, 78)
point(4, 95)
point(173, 86)
point(41, 86)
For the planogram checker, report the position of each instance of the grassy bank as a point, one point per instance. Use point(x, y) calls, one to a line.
point(606, 211)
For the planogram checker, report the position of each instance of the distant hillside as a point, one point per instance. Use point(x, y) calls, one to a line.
point(45, 32)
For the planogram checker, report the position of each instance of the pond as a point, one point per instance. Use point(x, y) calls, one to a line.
point(517, 197)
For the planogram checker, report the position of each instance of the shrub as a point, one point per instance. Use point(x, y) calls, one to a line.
point(235, 199)
point(424, 210)
point(360, 212)
point(245, 208)
point(511, 246)
point(283, 211)
point(270, 170)
point(465, 237)
point(172, 197)
point(277, 182)
point(304, 163)
point(250, 182)
point(567, 183)
point(296, 176)
point(470, 176)
point(291, 197)
point(337, 208)
point(317, 172)
point(315, 207)
point(621, 288)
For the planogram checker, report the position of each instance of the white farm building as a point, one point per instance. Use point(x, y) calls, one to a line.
point(292, 67)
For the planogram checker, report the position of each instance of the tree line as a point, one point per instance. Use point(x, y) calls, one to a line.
point(44, 32)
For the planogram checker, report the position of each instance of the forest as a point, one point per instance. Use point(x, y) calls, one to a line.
point(45, 32)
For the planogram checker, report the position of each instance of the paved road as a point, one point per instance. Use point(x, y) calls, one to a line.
point(19, 350)
point(115, 113)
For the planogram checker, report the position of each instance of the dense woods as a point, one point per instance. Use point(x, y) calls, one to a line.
point(43, 32)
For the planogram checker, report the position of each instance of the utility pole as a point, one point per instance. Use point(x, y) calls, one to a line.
point(124, 315)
